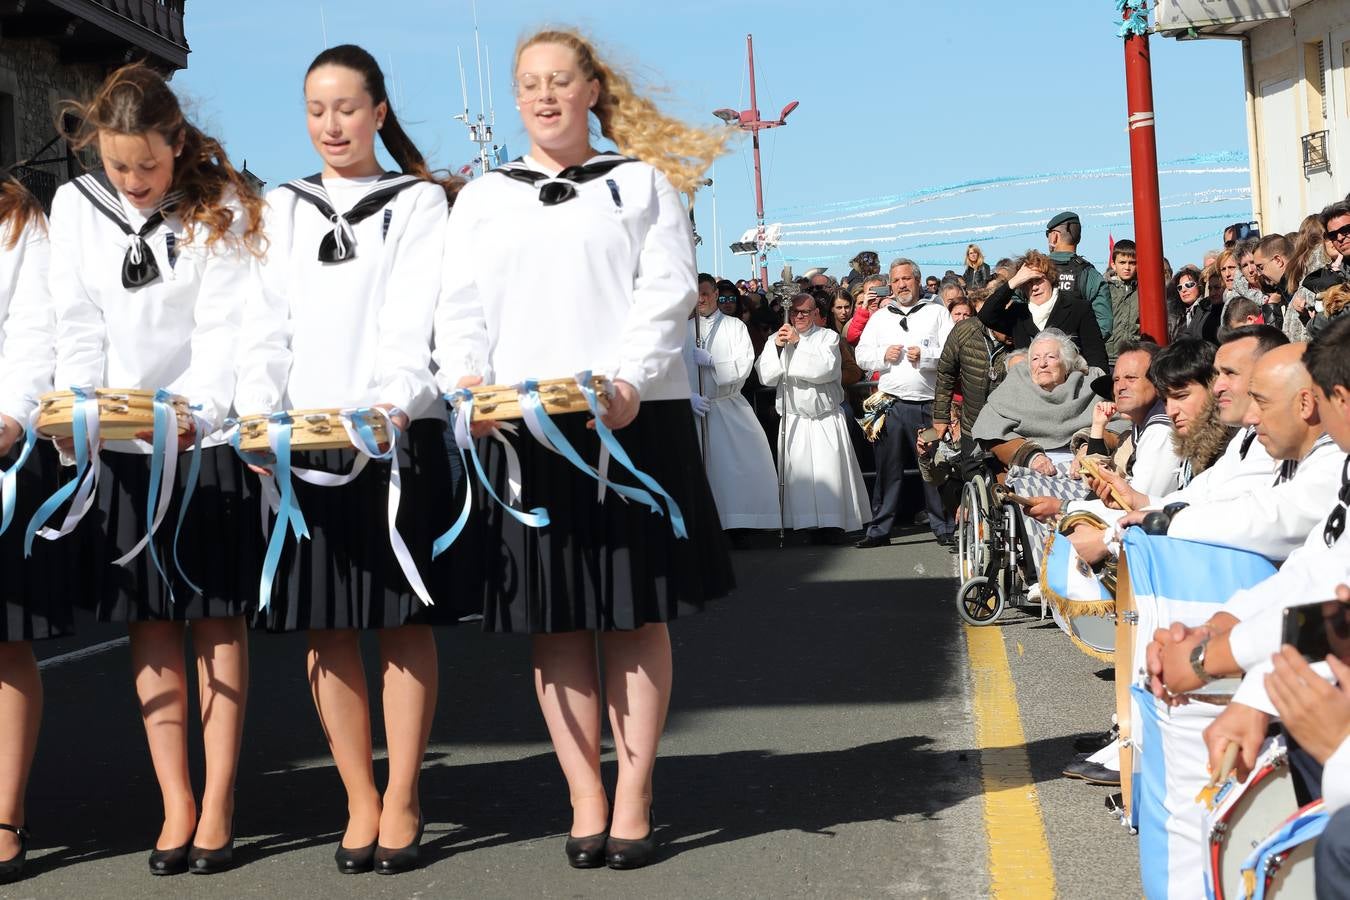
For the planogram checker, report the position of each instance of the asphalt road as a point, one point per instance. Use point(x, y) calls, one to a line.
point(821, 744)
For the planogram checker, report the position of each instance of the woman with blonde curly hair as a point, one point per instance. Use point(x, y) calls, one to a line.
point(569, 260)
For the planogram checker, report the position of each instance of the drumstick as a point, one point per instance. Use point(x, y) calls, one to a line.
point(1090, 466)
point(1211, 788)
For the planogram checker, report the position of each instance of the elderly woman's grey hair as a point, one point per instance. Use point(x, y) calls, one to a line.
point(1069, 356)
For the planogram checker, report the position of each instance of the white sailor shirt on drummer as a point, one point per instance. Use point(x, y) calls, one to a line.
point(925, 325)
point(138, 306)
point(551, 274)
point(28, 335)
point(345, 315)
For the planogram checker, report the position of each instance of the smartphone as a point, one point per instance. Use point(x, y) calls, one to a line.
point(881, 291)
point(1318, 630)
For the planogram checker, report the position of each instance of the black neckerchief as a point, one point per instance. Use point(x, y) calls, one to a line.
point(138, 266)
point(563, 187)
point(339, 244)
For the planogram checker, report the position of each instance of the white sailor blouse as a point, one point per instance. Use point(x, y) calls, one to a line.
point(139, 307)
point(551, 274)
point(27, 337)
point(349, 286)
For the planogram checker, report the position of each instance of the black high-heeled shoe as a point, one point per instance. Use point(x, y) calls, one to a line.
point(586, 852)
point(209, 862)
point(403, 859)
point(11, 870)
point(355, 862)
point(170, 862)
point(624, 853)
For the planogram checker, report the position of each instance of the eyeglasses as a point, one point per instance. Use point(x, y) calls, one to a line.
point(1186, 285)
point(530, 85)
point(726, 299)
point(801, 313)
point(1339, 234)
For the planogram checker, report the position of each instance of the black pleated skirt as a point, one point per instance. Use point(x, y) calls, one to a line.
point(220, 547)
point(38, 592)
point(346, 575)
point(611, 566)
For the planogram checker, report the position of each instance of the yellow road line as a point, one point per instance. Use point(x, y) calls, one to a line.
point(1019, 855)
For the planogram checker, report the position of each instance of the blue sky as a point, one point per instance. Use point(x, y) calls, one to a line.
point(903, 105)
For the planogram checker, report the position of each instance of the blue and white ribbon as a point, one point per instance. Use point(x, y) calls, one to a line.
point(85, 435)
point(287, 512)
point(611, 443)
point(461, 414)
point(540, 425)
point(9, 478)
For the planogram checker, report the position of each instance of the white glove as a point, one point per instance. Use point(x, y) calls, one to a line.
point(700, 404)
point(703, 358)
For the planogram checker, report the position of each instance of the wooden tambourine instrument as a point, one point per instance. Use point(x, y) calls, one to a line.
point(501, 402)
point(311, 429)
point(122, 414)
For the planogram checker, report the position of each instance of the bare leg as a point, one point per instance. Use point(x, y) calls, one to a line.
point(567, 682)
point(408, 662)
point(20, 715)
point(222, 683)
point(637, 684)
point(337, 679)
point(161, 686)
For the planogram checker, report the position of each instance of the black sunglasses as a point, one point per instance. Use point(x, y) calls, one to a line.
point(725, 299)
point(1339, 233)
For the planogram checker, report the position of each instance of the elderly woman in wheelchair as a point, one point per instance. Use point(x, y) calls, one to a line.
point(1028, 429)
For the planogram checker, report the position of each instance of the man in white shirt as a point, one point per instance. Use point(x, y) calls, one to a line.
point(903, 342)
point(738, 462)
point(823, 484)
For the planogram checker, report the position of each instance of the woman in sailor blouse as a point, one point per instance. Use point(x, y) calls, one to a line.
point(572, 260)
point(36, 602)
point(156, 253)
point(344, 320)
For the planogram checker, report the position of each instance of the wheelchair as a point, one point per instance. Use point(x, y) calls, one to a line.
point(994, 555)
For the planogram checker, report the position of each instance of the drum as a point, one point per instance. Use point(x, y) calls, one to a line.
point(314, 429)
point(1244, 815)
point(122, 414)
point(498, 402)
point(1082, 601)
point(1284, 863)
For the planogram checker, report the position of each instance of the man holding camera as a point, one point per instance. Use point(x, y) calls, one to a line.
point(903, 341)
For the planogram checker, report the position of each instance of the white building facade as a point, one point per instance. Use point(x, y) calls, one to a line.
point(1296, 63)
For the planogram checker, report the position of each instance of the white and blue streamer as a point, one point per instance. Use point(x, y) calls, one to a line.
point(85, 435)
point(9, 478)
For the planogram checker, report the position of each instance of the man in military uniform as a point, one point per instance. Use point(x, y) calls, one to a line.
point(1078, 279)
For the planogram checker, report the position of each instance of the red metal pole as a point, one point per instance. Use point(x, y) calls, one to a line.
point(759, 186)
point(1144, 179)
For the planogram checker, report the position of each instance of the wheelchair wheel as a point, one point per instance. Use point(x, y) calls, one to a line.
point(973, 534)
point(979, 601)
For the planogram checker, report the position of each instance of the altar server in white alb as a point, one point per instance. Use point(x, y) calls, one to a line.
point(573, 260)
point(36, 602)
point(154, 254)
point(824, 486)
point(344, 321)
point(738, 462)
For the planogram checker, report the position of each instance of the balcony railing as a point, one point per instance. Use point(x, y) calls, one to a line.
point(1315, 157)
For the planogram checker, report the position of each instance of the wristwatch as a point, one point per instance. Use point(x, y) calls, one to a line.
point(1198, 662)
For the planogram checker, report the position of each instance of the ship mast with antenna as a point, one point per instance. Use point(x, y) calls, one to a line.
point(480, 125)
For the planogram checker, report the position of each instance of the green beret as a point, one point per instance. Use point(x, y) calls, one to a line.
point(1061, 219)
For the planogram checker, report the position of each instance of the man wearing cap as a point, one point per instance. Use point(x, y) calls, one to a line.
point(1078, 278)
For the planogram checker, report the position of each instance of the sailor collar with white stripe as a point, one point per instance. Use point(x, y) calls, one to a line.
point(339, 244)
point(1289, 467)
point(561, 187)
point(139, 267)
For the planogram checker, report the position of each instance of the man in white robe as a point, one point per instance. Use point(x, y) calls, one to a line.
point(824, 486)
point(738, 462)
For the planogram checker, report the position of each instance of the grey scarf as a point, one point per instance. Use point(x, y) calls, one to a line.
point(1018, 408)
